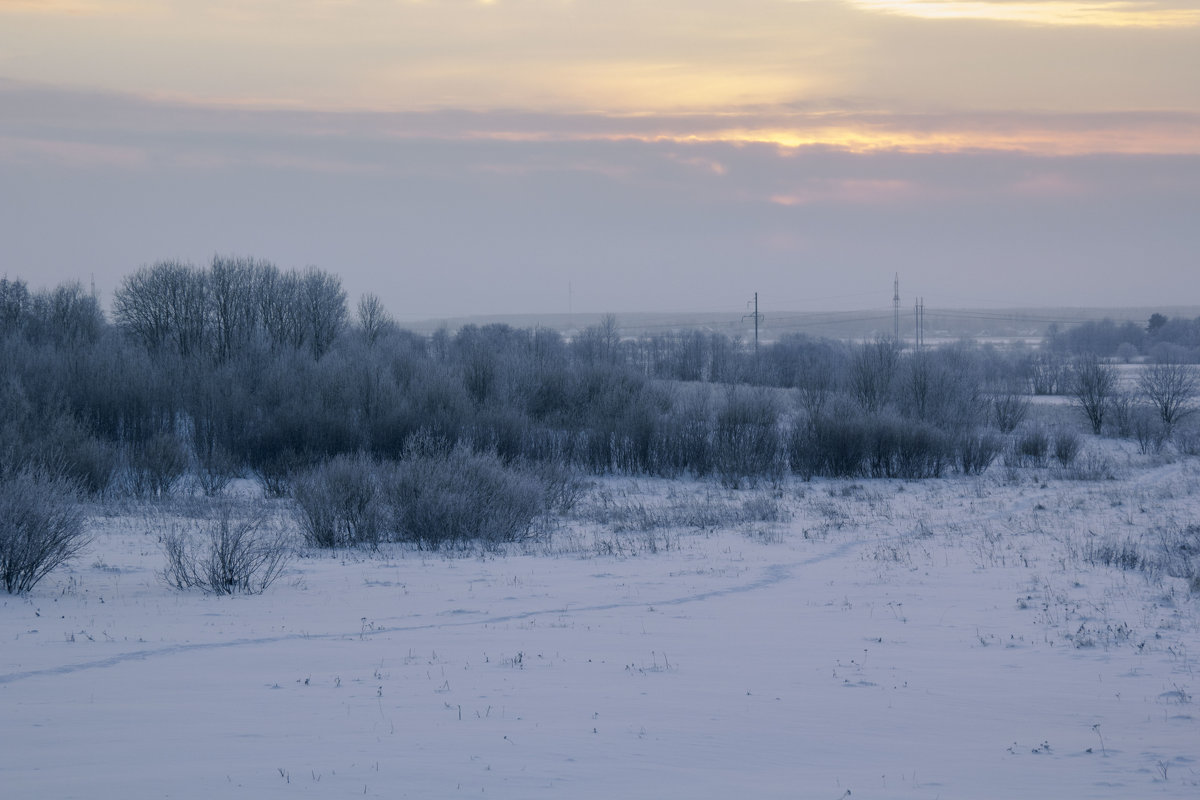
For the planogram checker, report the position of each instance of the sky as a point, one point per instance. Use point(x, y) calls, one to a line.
point(461, 157)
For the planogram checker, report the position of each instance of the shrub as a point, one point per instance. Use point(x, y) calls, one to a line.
point(1122, 411)
point(338, 502)
point(233, 555)
point(1148, 431)
point(683, 441)
point(275, 473)
point(975, 452)
point(156, 467)
point(92, 464)
point(1188, 442)
point(746, 438)
point(1066, 447)
point(562, 484)
point(441, 497)
point(41, 527)
point(1009, 410)
point(1092, 466)
point(833, 445)
point(906, 449)
point(1032, 446)
point(214, 470)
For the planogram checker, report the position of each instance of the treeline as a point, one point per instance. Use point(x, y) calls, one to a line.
point(241, 368)
point(1161, 339)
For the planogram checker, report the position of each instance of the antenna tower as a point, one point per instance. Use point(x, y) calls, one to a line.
point(896, 308)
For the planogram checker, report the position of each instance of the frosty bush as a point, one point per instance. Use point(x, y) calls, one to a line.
point(746, 438)
point(215, 468)
point(899, 448)
point(562, 484)
point(1008, 410)
point(1031, 447)
point(338, 503)
point(833, 445)
point(230, 556)
point(275, 474)
point(41, 527)
point(1148, 431)
point(440, 497)
point(1066, 447)
point(975, 452)
point(156, 467)
point(1089, 466)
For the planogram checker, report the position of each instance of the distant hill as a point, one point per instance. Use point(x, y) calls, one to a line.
point(940, 323)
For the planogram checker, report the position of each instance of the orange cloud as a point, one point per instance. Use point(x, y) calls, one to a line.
point(1130, 139)
point(1102, 13)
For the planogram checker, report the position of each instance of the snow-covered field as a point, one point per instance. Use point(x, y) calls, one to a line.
point(883, 639)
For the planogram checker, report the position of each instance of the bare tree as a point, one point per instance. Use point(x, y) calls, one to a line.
point(373, 318)
point(15, 304)
point(66, 315)
point(1047, 374)
point(1092, 384)
point(1170, 387)
point(274, 294)
point(323, 307)
point(141, 308)
point(164, 304)
point(232, 304)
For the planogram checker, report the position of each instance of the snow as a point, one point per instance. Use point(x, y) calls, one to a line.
point(892, 639)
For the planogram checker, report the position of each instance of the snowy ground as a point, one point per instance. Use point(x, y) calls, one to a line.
point(890, 640)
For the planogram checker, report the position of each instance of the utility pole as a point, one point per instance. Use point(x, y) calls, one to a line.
point(917, 324)
point(919, 319)
point(756, 317)
point(896, 309)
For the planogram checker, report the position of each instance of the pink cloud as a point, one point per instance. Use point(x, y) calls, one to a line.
point(73, 154)
point(848, 191)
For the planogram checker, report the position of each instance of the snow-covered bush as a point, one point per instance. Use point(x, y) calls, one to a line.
point(1031, 447)
point(41, 526)
point(746, 440)
point(439, 498)
point(338, 503)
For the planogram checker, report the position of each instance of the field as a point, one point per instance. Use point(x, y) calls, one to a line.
point(1016, 634)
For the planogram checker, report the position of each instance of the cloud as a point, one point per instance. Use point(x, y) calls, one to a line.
point(450, 212)
point(60, 153)
point(70, 7)
point(848, 191)
point(1097, 13)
